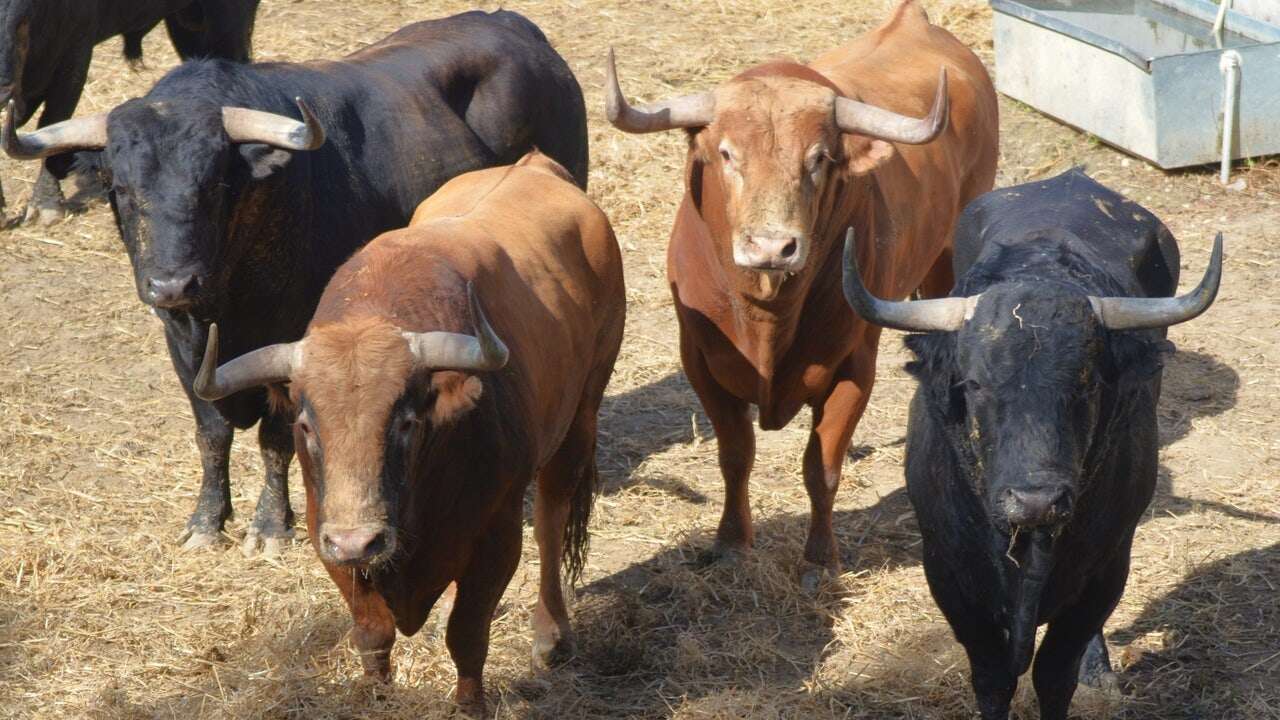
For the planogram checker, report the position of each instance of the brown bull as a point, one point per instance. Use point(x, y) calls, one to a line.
point(782, 159)
point(418, 438)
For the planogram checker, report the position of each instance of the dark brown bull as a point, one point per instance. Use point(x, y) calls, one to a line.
point(781, 160)
point(417, 439)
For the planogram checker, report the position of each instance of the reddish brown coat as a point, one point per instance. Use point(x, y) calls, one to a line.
point(545, 264)
point(782, 342)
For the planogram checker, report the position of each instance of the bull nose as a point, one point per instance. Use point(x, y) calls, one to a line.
point(1037, 506)
point(769, 252)
point(353, 545)
point(175, 292)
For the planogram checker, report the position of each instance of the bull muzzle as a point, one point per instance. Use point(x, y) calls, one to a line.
point(359, 545)
point(177, 291)
point(1037, 506)
point(783, 251)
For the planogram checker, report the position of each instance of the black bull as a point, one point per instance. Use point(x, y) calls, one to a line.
point(227, 220)
point(46, 46)
point(1032, 441)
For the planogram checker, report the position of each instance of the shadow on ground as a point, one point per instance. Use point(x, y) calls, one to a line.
point(1210, 649)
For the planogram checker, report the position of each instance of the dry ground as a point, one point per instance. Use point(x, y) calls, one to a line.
point(102, 616)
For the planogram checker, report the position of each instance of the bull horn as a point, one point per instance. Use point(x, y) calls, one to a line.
point(86, 133)
point(688, 111)
point(945, 314)
point(256, 126)
point(857, 117)
point(455, 351)
point(1130, 313)
point(271, 364)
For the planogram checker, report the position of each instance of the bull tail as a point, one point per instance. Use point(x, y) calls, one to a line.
point(133, 49)
point(576, 537)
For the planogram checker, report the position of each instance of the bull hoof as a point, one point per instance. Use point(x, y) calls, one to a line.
point(195, 540)
point(551, 652)
point(813, 578)
point(475, 709)
point(44, 216)
point(268, 546)
point(726, 554)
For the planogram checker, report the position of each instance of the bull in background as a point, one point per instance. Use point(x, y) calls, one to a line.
point(46, 46)
point(236, 204)
point(418, 439)
point(781, 160)
point(1032, 441)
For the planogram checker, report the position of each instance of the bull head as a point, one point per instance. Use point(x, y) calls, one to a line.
point(172, 167)
point(367, 393)
point(1021, 368)
point(768, 153)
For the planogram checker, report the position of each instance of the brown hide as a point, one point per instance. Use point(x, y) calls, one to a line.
point(546, 267)
point(779, 352)
point(772, 166)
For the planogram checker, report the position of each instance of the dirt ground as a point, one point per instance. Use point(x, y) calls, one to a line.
point(102, 616)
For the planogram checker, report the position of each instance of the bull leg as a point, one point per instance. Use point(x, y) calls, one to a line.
point(228, 28)
point(1057, 665)
point(560, 488)
point(478, 592)
point(736, 443)
point(941, 278)
point(213, 438)
point(272, 526)
point(47, 204)
point(833, 424)
point(983, 640)
point(1095, 668)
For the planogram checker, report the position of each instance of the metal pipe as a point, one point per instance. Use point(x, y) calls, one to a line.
point(1220, 22)
point(1229, 65)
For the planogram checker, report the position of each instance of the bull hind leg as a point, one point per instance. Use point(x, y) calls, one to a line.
point(272, 526)
point(736, 446)
point(833, 424)
point(47, 204)
point(561, 510)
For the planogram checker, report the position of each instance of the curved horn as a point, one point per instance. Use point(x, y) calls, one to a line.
point(86, 133)
point(946, 314)
point(857, 117)
point(454, 351)
point(255, 126)
point(271, 364)
point(689, 111)
point(1129, 313)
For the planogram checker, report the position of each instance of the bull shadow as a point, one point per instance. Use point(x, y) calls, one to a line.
point(1208, 649)
point(680, 627)
point(644, 421)
point(1194, 385)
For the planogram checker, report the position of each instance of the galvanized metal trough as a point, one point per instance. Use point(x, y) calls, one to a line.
point(1144, 75)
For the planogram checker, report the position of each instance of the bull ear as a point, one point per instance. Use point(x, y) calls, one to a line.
point(865, 154)
point(264, 160)
point(456, 394)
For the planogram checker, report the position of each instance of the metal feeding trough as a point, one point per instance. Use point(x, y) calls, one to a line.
point(1148, 76)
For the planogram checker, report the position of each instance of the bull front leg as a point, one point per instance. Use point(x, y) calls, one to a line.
point(272, 526)
point(478, 592)
point(834, 421)
point(730, 417)
point(213, 438)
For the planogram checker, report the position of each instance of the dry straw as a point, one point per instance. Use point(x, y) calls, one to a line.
point(101, 616)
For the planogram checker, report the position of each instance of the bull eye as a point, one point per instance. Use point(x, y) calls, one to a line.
point(408, 424)
point(304, 426)
point(726, 157)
